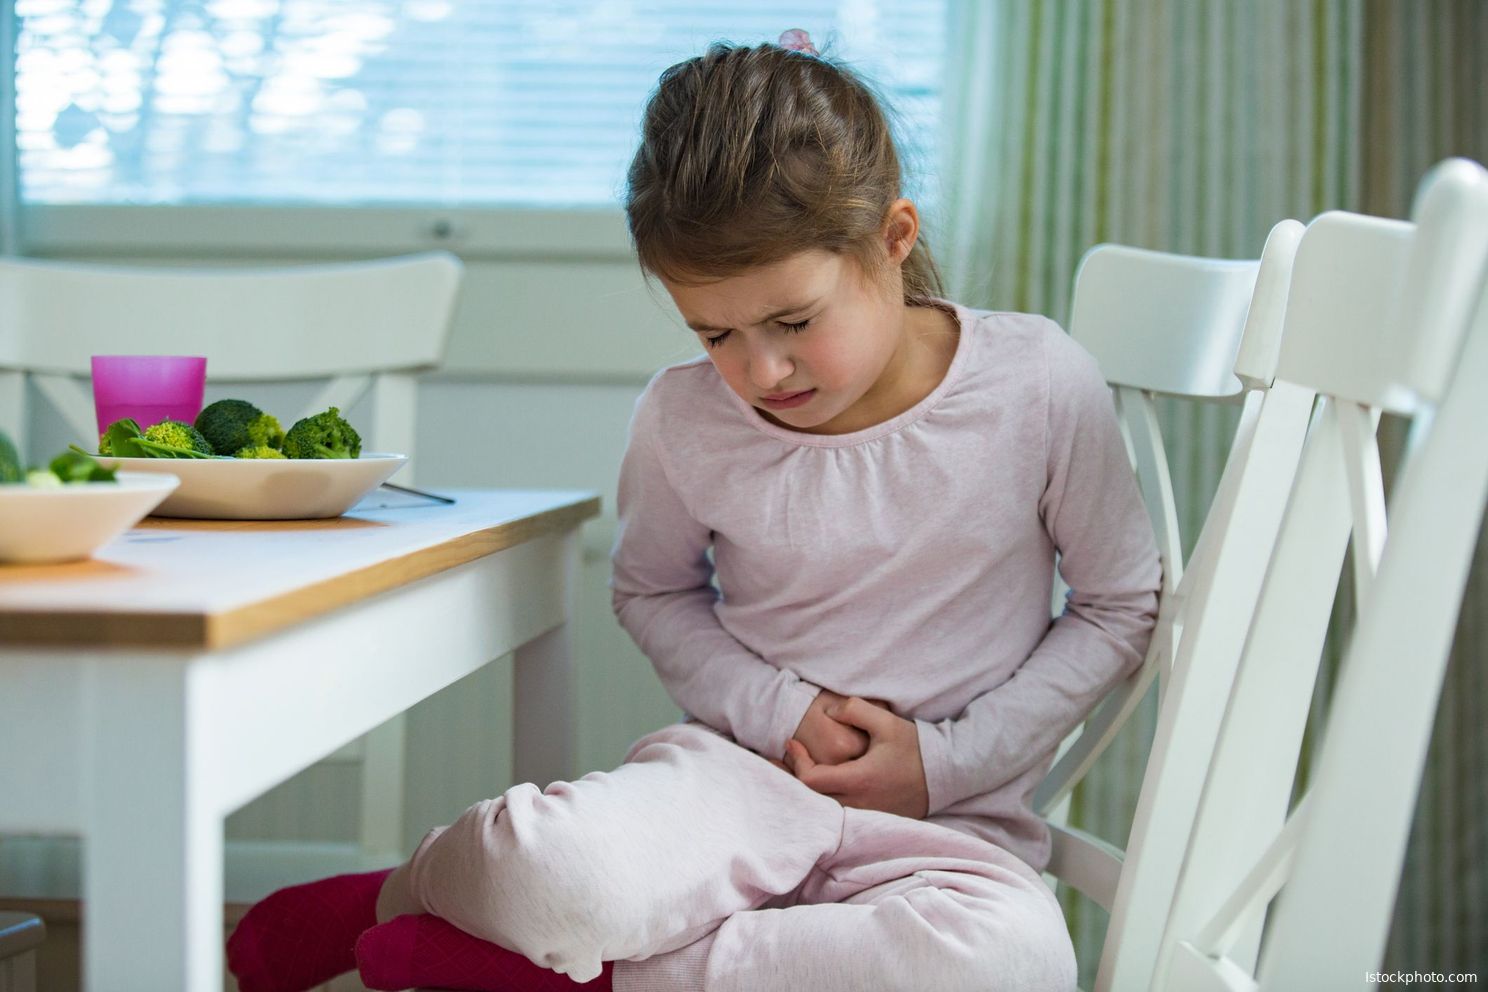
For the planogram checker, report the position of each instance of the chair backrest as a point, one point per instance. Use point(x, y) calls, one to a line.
point(1376, 322)
point(1192, 314)
point(1203, 329)
point(1206, 628)
point(364, 326)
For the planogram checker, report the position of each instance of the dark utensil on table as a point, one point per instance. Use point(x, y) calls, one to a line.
point(409, 490)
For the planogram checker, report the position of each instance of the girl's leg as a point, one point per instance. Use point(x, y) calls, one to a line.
point(648, 858)
point(901, 905)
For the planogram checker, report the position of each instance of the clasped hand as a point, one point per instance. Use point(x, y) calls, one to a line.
point(860, 754)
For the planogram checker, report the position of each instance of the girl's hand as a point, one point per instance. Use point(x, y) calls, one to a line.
point(828, 741)
point(890, 776)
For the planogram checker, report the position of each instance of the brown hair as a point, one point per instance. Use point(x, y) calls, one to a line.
point(751, 155)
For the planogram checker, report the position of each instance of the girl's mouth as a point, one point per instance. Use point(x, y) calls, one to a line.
point(787, 400)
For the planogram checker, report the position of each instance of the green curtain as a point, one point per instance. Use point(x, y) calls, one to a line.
point(1193, 126)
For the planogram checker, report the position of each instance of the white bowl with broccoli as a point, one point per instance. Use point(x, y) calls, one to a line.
point(236, 463)
point(45, 520)
point(265, 489)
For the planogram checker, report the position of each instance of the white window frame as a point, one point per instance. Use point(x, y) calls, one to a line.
point(258, 230)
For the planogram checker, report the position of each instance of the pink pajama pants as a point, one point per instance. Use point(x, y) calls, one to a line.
point(700, 867)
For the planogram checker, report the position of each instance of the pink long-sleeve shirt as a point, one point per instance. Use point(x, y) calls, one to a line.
point(911, 561)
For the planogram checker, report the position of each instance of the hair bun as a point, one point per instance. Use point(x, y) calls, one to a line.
point(796, 40)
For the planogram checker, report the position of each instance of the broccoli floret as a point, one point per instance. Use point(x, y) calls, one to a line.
point(230, 425)
point(105, 444)
point(258, 451)
point(11, 469)
point(179, 436)
point(325, 435)
point(264, 429)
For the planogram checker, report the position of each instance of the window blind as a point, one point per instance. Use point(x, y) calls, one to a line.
point(452, 102)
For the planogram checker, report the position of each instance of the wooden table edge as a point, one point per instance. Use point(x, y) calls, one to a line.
point(214, 631)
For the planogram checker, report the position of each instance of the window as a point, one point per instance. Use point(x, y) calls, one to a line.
point(345, 102)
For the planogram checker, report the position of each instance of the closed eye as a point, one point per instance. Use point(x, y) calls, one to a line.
point(715, 340)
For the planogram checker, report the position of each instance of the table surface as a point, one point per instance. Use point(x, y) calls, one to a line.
point(209, 584)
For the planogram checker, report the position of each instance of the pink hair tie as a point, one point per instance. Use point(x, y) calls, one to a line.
point(796, 40)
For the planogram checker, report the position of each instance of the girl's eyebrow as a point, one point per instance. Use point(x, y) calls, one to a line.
point(702, 328)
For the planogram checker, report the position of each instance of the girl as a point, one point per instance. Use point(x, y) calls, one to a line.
point(874, 687)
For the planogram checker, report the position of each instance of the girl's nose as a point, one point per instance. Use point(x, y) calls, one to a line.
point(769, 365)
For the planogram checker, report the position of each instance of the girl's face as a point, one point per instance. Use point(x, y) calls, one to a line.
point(811, 341)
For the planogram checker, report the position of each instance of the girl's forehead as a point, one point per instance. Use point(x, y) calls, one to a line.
point(752, 295)
point(762, 283)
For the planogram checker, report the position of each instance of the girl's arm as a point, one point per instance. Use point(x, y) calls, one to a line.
point(1094, 515)
point(664, 597)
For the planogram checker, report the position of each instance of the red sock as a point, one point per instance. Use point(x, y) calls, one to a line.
point(423, 950)
point(303, 936)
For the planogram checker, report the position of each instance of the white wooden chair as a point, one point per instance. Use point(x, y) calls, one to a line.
point(366, 327)
point(1205, 330)
point(1377, 320)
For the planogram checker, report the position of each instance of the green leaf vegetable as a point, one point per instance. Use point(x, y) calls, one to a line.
point(67, 468)
point(324, 435)
point(77, 466)
point(237, 425)
point(11, 469)
point(167, 439)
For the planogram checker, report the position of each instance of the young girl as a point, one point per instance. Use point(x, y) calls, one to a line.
point(874, 687)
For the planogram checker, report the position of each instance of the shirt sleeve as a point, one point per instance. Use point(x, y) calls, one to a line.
point(1093, 513)
point(664, 597)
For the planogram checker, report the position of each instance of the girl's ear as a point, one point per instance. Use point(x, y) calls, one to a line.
point(901, 229)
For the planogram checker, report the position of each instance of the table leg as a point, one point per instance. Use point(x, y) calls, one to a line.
point(543, 693)
point(543, 698)
point(152, 880)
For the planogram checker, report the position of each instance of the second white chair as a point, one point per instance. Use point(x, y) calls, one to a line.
point(1377, 322)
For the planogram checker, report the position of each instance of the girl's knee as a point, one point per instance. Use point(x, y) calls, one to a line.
point(528, 854)
point(1006, 943)
point(1031, 955)
point(1028, 964)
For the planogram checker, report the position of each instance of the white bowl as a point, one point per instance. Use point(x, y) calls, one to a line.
point(265, 488)
point(65, 523)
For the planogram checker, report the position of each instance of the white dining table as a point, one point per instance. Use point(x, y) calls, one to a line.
point(191, 665)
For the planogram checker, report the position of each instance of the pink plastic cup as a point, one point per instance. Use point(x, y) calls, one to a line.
point(148, 388)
